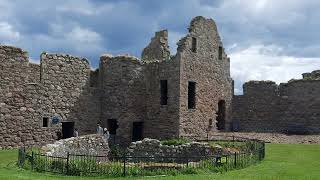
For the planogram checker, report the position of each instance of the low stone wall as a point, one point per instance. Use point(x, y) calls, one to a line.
point(84, 145)
point(153, 150)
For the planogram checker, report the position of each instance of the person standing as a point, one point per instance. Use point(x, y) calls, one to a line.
point(106, 134)
point(75, 133)
point(99, 130)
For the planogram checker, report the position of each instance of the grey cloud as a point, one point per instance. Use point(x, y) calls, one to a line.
point(119, 27)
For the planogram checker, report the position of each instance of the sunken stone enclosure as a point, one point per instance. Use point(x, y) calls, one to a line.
point(160, 96)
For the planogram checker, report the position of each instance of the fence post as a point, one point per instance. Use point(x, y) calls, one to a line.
point(124, 164)
point(235, 159)
point(32, 159)
point(232, 138)
point(67, 167)
point(187, 161)
point(264, 150)
point(21, 156)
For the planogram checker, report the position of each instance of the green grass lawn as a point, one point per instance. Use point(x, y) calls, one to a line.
point(283, 161)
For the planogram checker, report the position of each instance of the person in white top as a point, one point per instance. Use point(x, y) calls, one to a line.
point(75, 133)
point(106, 134)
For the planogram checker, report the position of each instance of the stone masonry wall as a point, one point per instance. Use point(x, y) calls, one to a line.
point(19, 98)
point(163, 119)
point(29, 92)
point(124, 88)
point(158, 49)
point(211, 75)
point(124, 96)
point(289, 107)
point(153, 148)
point(66, 83)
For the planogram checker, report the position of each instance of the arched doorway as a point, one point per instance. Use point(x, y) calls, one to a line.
point(221, 115)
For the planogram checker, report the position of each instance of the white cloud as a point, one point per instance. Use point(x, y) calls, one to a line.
point(8, 34)
point(83, 35)
point(259, 62)
point(83, 7)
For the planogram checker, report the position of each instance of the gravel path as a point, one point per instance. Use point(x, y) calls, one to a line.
point(278, 138)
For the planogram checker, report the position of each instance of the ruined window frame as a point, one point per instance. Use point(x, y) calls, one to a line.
point(194, 44)
point(220, 52)
point(163, 92)
point(192, 94)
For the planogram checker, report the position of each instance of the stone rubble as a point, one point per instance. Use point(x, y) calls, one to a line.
point(94, 145)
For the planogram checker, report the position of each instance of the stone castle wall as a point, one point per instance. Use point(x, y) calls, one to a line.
point(123, 99)
point(65, 81)
point(211, 75)
point(163, 119)
point(19, 101)
point(123, 88)
point(59, 86)
point(289, 107)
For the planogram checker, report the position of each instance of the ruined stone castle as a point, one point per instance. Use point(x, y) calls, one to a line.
point(158, 96)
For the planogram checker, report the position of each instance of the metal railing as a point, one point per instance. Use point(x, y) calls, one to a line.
point(252, 152)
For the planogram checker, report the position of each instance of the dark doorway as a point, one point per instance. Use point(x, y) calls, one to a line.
point(112, 125)
point(221, 114)
point(45, 122)
point(137, 131)
point(67, 129)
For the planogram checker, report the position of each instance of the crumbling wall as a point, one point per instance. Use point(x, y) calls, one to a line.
point(158, 49)
point(69, 96)
point(124, 96)
point(124, 88)
point(90, 145)
point(171, 153)
point(289, 108)
point(201, 64)
point(19, 101)
point(314, 75)
point(163, 120)
point(29, 92)
point(258, 108)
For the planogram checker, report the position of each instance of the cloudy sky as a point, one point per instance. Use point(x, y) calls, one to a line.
point(265, 39)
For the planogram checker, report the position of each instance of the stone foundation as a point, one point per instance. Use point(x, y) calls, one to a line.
point(153, 150)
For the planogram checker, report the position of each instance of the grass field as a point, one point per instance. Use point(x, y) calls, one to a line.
point(283, 161)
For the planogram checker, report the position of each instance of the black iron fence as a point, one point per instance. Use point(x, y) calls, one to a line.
point(251, 151)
